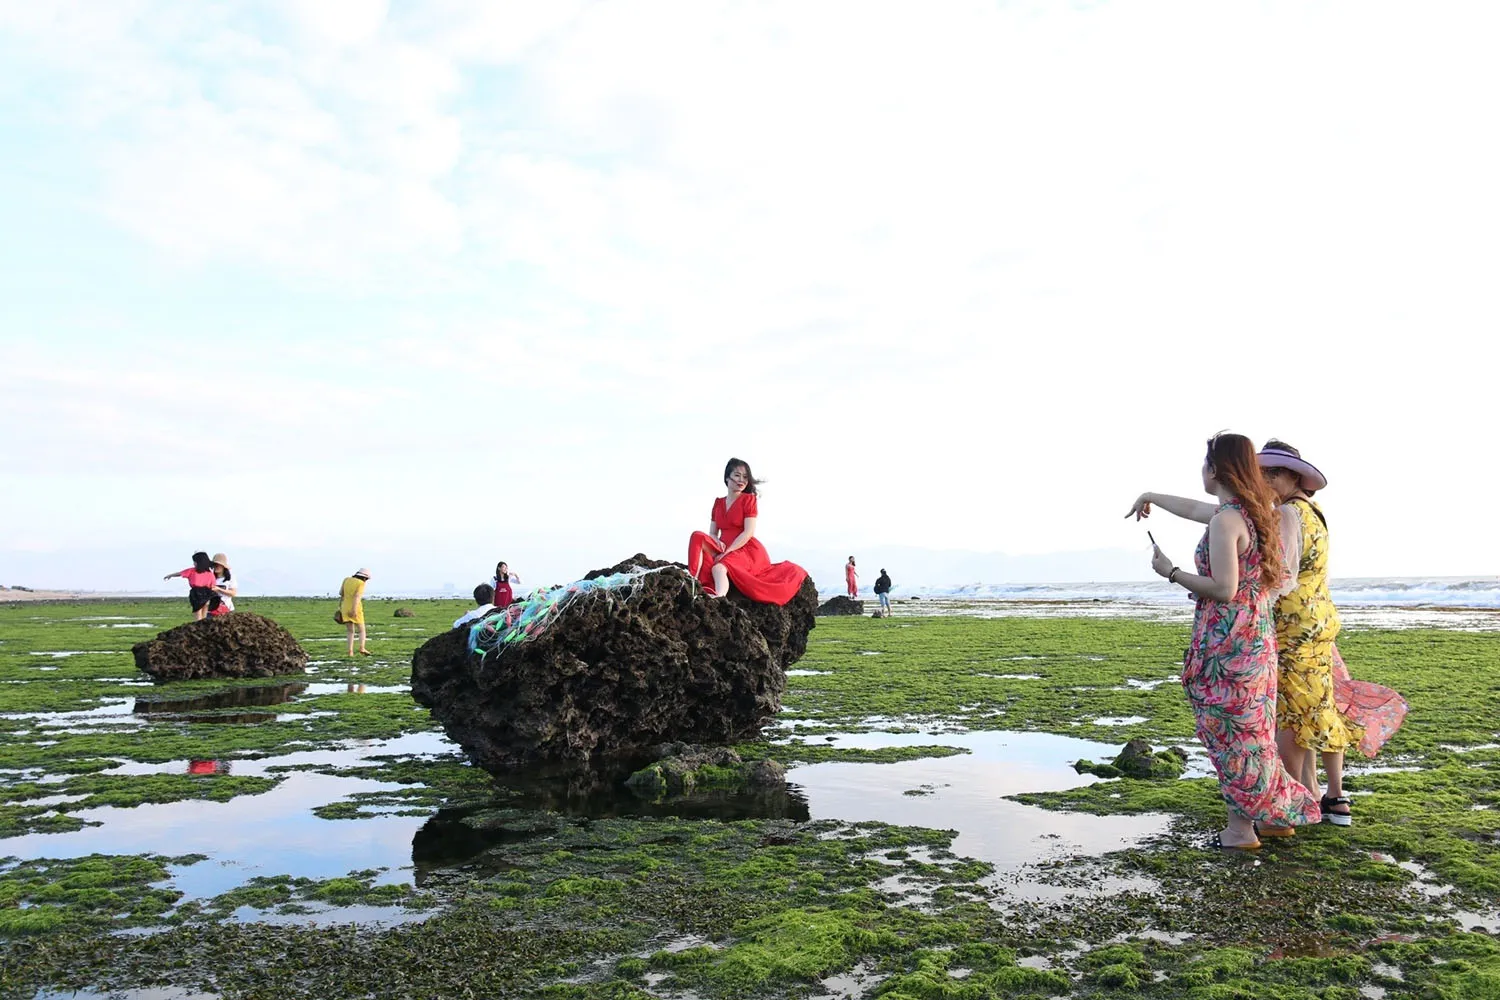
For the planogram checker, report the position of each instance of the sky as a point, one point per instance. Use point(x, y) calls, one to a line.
point(420, 286)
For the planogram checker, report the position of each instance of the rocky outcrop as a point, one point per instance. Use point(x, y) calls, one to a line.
point(617, 672)
point(234, 645)
point(684, 769)
point(1137, 760)
point(405, 613)
point(841, 605)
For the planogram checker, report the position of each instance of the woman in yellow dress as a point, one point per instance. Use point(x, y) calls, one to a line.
point(1308, 721)
point(352, 608)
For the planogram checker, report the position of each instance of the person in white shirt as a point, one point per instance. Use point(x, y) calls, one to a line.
point(484, 596)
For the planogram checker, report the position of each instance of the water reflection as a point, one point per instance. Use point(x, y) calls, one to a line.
point(210, 708)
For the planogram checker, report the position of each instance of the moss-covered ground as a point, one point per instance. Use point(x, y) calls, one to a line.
point(522, 890)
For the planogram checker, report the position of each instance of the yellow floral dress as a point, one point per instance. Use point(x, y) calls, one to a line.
point(1307, 623)
point(351, 600)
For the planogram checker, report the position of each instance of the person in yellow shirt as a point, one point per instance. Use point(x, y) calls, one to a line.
point(352, 608)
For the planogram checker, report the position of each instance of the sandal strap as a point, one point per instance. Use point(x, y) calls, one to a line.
point(1342, 800)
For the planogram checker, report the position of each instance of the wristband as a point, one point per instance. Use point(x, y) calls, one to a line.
point(1172, 576)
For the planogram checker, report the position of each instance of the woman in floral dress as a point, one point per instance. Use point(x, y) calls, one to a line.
point(1229, 670)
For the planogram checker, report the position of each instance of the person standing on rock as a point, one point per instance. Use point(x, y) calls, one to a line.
point(729, 553)
point(352, 608)
point(503, 583)
point(201, 579)
point(224, 588)
point(851, 578)
point(883, 592)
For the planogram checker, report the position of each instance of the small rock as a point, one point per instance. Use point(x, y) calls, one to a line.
point(688, 769)
point(405, 613)
point(1137, 760)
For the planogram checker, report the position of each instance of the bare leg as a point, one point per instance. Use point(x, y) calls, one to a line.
point(1309, 776)
point(362, 648)
point(1238, 831)
point(349, 629)
point(721, 580)
point(1333, 763)
point(1293, 756)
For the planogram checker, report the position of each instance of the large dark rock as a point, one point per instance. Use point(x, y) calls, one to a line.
point(614, 675)
point(234, 645)
point(841, 605)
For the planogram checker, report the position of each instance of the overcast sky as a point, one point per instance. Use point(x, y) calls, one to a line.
point(430, 284)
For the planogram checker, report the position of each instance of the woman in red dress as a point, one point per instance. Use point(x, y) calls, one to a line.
point(729, 553)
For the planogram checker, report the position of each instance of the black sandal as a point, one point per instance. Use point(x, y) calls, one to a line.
point(1216, 843)
point(1337, 818)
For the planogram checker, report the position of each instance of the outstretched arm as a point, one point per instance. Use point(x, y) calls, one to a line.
point(1189, 510)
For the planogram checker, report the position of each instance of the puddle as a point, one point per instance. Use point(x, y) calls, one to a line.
point(155, 993)
point(323, 687)
point(1135, 685)
point(1120, 720)
point(968, 794)
point(274, 833)
point(808, 673)
point(1012, 677)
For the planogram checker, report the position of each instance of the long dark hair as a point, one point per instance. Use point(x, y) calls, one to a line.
point(750, 481)
point(1232, 458)
point(202, 563)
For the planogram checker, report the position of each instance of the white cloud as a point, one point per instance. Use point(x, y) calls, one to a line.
point(1010, 263)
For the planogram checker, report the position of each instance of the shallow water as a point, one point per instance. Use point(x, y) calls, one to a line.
point(967, 794)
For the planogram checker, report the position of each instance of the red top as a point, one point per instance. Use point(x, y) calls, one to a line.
point(503, 594)
point(197, 579)
point(731, 521)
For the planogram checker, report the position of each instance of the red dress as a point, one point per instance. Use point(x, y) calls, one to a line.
point(751, 570)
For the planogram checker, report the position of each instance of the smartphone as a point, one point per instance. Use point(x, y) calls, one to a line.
point(1153, 539)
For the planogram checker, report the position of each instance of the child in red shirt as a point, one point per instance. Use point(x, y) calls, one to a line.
point(201, 580)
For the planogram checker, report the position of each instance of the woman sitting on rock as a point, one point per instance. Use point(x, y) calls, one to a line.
point(729, 553)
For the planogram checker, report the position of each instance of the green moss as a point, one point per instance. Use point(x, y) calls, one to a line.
point(552, 906)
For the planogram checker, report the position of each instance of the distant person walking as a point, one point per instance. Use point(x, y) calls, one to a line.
point(1229, 671)
point(504, 583)
point(851, 578)
point(201, 580)
point(352, 608)
point(224, 586)
point(883, 591)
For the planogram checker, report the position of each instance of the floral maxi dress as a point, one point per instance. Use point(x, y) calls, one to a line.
point(1229, 676)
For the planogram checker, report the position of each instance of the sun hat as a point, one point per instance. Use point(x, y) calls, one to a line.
point(362, 572)
point(1279, 458)
point(220, 559)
